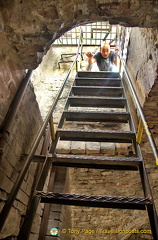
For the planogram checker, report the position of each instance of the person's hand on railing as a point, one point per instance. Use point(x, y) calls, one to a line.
point(89, 54)
point(116, 48)
point(91, 60)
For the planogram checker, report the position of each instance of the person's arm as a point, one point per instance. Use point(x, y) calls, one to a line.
point(116, 54)
point(91, 60)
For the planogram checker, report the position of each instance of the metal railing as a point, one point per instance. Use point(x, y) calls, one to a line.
point(142, 116)
point(13, 109)
point(6, 209)
point(94, 34)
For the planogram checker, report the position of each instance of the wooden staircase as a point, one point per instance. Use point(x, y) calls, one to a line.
point(100, 97)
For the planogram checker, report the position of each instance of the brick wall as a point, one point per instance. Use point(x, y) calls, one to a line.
point(24, 129)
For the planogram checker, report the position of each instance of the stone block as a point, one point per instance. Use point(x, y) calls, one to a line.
point(33, 236)
point(78, 147)
point(63, 147)
point(40, 209)
point(6, 183)
point(122, 148)
point(12, 224)
point(24, 186)
point(10, 155)
point(92, 147)
point(30, 179)
point(3, 195)
point(35, 228)
point(51, 13)
point(21, 207)
point(6, 167)
point(28, 189)
point(56, 215)
point(108, 148)
point(1, 119)
point(32, 168)
point(22, 197)
point(37, 219)
point(14, 175)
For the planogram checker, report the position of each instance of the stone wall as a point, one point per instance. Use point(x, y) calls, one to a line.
point(142, 61)
point(98, 223)
point(142, 66)
point(31, 27)
point(10, 77)
point(24, 129)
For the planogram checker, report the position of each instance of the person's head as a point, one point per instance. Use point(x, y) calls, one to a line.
point(105, 50)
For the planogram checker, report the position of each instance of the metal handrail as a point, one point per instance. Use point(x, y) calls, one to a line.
point(6, 209)
point(142, 116)
point(13, 109)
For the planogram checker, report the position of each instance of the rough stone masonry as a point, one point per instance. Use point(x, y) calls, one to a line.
point(29, 28)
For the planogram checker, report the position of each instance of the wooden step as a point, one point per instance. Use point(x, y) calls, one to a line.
point(115, 82)
point(102, 74)
point(97, 102)
point(94, 201)
point(87, 116)
point(96, 135)
point(97, 91)
point(96, 162)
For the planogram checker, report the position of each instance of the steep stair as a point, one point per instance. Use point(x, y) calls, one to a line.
point(100, 97)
